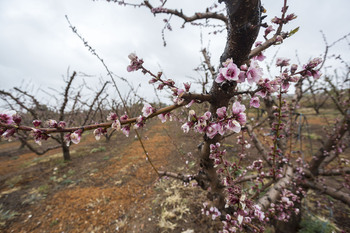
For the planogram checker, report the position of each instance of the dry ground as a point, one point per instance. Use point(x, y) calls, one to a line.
point(110, 187)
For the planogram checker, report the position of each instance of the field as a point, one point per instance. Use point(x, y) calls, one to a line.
point(110, 187)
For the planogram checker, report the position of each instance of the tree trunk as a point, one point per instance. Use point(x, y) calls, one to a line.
point(65, 150)
point(242, 29)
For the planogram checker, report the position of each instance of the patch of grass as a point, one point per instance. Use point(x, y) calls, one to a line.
point(174, 207)
point(311, 224)
point(312, 136)
point(94, 170)
point(44, 189)
point(98, 149)
point(70, 172)
point(33, 196)
point(13, 181)
point(54, 222)
point(6, 215)
point(67, 181)
point(106, 158)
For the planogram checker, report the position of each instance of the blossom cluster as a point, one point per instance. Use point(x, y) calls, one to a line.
point(284, 208)
point(245, 212)
point(230, 72)
point(205, 123)
point(9, 118)
point(158, 10)
point(135, 63)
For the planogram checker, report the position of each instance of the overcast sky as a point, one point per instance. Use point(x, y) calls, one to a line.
point(37, 46)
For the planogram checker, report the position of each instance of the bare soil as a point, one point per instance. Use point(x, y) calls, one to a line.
point(106, 187)
point(111, 187)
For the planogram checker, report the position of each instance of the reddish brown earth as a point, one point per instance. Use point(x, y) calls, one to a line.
point(110, 187)
point(113, 190)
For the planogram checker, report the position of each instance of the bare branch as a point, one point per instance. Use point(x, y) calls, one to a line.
point(187, 19)
point(339, 195)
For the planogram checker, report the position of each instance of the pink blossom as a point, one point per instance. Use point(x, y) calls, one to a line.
point(262, 93)
point(164, 116)
point(155, 10)
point(201, 125)
point(190, 103)
point(187, 86)
point(148, 110)
point(260, 57)
point(255, 102)
point(6, 117)
point(153, 80)
point(293, 68)
point(52, 123)
point(242, 76)
point(135, 63)
point(220, 78)
point(282, 62)
point(192, 115)
point(313, 63)
point(38, 135)
point(254, 73)
point(17, 119)
point(227, 62)
point(290, 17)
point(140, 122)
point(185, 127)
point(8, 134)
point(66, 138)
point(234, 126)
point(112, 116)
point(231, 72)
point(237, 108)
point(268, 30)
point(61, 124)
point(36, 123)
point(99, 132)
point(221, 112)
point(161, 86)
point(316, 74)
point(206, 115)
point(276, 20)
point(285, 85)
point(238, 113)
point(212, 130)
point(221, 128)
point(124, 117)
point(266, 86)
point(258, 213)
point(241, 118)
point(126, 130)
point(75, 137)
point(116, 125)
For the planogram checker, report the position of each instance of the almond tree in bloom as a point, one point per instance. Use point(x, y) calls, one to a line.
point(57, 118)
point(271, 188)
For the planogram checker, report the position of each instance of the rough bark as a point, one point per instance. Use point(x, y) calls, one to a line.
point(65, 148)
point(242, 29)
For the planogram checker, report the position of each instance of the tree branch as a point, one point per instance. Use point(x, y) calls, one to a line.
point(339, 195)
point(187, 19)
point(274, 192)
